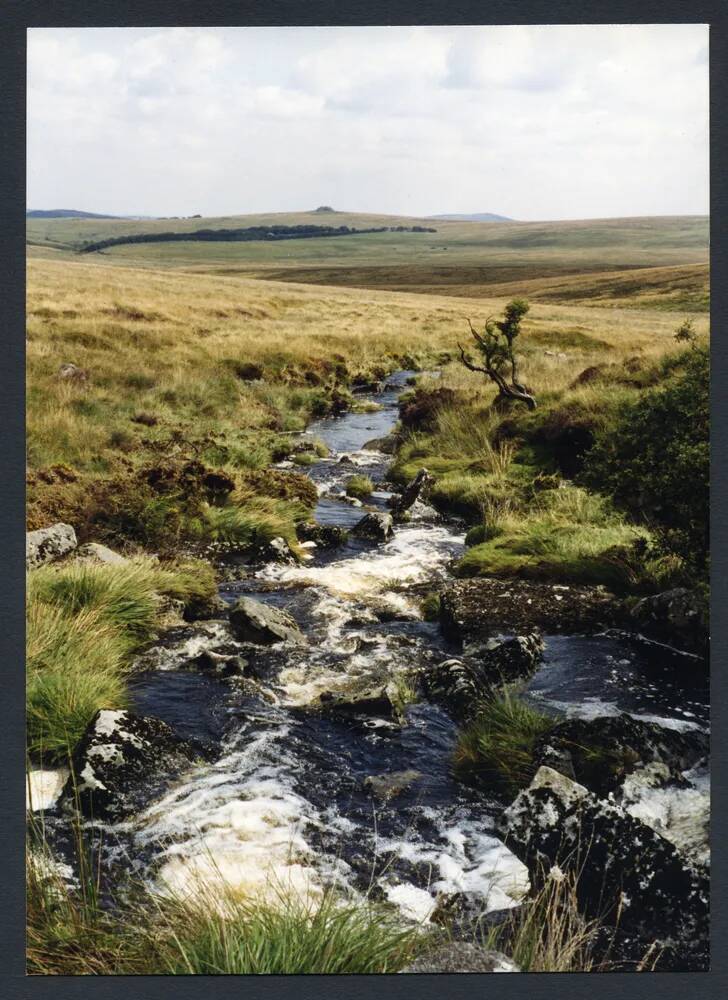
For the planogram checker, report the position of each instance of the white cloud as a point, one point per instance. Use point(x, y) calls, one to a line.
point(533, 122)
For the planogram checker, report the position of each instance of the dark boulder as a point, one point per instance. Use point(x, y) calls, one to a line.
point(402, 502)
point(375, 526)
point(122, 760)
point(388, 786)
point(627, 875)
point(679, 616)
point(375, 700)
point(261, 624)
point(462, 683)
point(326, 536)
point(600, 753)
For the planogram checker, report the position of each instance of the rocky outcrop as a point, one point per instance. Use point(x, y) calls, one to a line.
point(258, 623)
point(486, 606)
point(70, 372)
point(122, 760)
point(375, 526)
point(48, 544)
point(627, 875)
point(600, 753)
point(401, 503)
point(462, 683)
point(461, 956)
point(678, 616)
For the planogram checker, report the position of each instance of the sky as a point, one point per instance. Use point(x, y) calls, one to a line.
point(534, 122)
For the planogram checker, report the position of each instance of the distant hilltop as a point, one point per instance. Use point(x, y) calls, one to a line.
point(66, 213)
point(473, 217)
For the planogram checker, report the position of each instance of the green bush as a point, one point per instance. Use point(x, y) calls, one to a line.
point(654, 461)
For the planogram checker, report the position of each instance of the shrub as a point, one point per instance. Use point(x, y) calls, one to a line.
point(497, 747)
point(655, 461)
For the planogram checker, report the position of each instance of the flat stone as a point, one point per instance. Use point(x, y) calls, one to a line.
point(93, 553)
point(460, 956)
point(261, 624)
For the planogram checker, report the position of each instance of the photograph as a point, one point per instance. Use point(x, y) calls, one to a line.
point(367, 556)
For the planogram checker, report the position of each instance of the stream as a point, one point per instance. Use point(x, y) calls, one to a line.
point(285, 806)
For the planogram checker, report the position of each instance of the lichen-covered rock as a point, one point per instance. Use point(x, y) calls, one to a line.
point(48, 544)
point(679, 615)
point(483, 607)
point(462, 683)
point(95, 554)
point(628, 876)
point(376, 526)
point(461, 956)
point(261, 624)
point(601, 752)
point(122, 760)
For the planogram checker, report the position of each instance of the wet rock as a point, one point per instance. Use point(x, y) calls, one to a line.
point(628, 876)
point(411, 493)
point(387, 786)
point(277, 550)
point(486, 606)
point(376, 526)
point(122, 760)
point(368, 701)
point(48, 544)
point(387, 445)
point(261, 624)
point(205, 609)
point(678, 615)
point(93, 553)
point(220, 664)
point(600, 753)
point(461, 956)
point(466, 913)
point(326, 536)
point(462, 683)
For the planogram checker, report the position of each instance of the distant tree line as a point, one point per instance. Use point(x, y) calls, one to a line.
point(264, 233)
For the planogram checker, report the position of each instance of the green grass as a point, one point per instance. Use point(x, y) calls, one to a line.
point(497, 747)
point(254, 522)
point(568, 535)
point(360, 487)
point(83, 624)
point(70, 932)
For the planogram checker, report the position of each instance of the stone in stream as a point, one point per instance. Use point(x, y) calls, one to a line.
point(48, 544)
point(376, 526)
point(261, 624)
point(387, 786)
point(326, 536)
point(410, 494)
point(463, 683)
point(387, 445)
point(461, 956)
point(628, 876)
point(376, 700)
point(122, 760)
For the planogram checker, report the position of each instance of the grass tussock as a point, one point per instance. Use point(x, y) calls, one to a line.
point(83, 622)
point(70, 931)
point(360, 487)
point(567, 534)
point(497, 746)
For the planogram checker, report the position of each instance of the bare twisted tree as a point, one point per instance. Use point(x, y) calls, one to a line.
point(495, 344)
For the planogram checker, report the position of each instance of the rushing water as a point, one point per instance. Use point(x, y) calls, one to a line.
point(285, 807)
